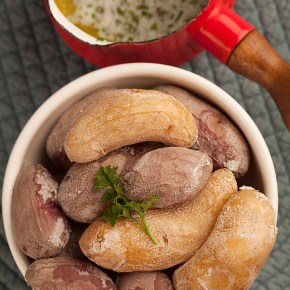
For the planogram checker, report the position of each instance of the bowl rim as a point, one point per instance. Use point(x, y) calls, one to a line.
point(85, 84)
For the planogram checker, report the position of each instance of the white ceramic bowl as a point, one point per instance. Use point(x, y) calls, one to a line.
point(30, 145)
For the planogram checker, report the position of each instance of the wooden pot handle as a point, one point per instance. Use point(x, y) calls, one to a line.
point(255, 59)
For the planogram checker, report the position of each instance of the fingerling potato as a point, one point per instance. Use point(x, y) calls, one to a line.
point(63, 273)
point(77, 195)
point(40, 227)
point(54, 144)
point(237, 248)
point(217, 135)
point(128, 116)
point(179, 231)
point(174, 174)
point(144, 281)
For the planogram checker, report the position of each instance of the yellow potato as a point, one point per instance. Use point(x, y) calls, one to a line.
point(237, 248)
point(128, 116)
point(55, 140)
point(179, 231)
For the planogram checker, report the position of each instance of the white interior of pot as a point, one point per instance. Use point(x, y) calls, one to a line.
point(70, 27)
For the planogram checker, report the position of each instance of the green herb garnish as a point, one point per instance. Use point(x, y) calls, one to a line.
point(120, 11)
point(154, 26)
point(179, 16)
point(121, 207)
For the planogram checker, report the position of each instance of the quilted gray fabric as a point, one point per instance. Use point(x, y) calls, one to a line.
point(34, 63)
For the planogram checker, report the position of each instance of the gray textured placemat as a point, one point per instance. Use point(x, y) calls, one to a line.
point(35, 63)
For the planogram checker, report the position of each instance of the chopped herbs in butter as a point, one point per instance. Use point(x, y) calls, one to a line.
point(134, 20)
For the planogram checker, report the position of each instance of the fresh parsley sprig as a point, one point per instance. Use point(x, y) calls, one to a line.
point(120, 206)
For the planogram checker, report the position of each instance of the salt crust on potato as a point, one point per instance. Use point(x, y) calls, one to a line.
point(179, 231)
point(156, 280)
point(77, 196)
point(63, 273)
point(217, 135)
point(127, 116)
point(72, 248)
point(40, 227)
point(174, 174)
point(70, 270)
point(55, 140)
point(237, 248)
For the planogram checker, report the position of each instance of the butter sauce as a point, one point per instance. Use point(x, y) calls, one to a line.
point(130, 20)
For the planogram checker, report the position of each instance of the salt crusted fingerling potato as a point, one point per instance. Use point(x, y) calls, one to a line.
point(217, 135)
point(55, 140)
point(77, 196)
point(237, 248)
point(179, 231)
point(72, 248)
point(144, 281)
point(123, 117)
point(174, 174)
point(40, 228)
point(63, 273)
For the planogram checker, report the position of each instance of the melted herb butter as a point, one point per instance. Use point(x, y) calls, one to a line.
point(133, 20)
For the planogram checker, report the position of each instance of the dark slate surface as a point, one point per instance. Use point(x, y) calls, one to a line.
point(34, 63)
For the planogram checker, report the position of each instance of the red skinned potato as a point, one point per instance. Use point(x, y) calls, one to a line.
point(55, 140)
point(179, 231)
point(174, 174)
point(144, 281)
point(63, 273)
point(217, 135)
point(72, 248)
point(40, 228)
point(77, 196)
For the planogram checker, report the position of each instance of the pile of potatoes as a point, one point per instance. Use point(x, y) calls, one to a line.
point(164, 141)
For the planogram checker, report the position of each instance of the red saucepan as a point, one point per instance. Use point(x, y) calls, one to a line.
point(217, 28)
